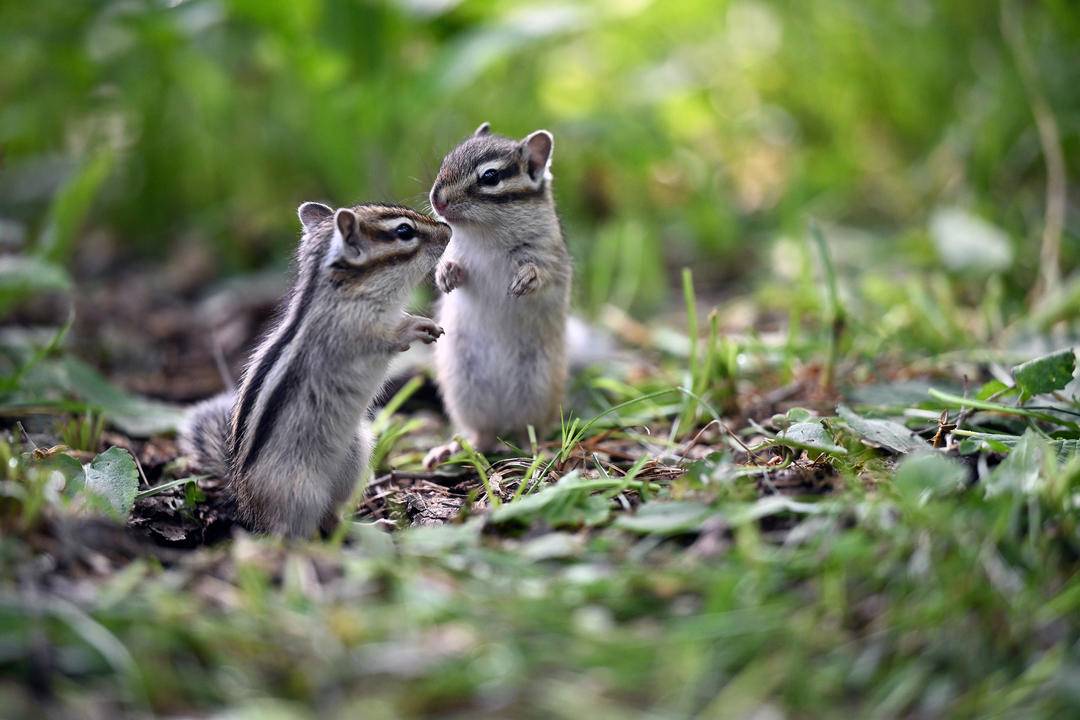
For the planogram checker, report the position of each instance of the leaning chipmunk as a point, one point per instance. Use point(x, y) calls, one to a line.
point(506, 274)
point(293, 441)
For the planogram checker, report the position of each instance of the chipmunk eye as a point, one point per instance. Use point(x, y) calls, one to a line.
point(405, 231)
point(489, 177)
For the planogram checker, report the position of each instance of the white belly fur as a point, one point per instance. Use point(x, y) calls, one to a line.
point(502, 364)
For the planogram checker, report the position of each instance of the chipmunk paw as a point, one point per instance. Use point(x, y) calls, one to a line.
point(438, 455)
point(526, 280)
point(449, 275)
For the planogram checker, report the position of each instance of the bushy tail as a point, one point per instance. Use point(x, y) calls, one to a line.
point(204, 435)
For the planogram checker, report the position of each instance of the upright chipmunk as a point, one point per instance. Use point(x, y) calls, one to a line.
point(502, 365)
point(293, 441)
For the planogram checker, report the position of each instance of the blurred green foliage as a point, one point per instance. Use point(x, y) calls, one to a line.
point(687, 132)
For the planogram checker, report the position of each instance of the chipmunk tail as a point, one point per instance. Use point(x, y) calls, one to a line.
point(204, 434)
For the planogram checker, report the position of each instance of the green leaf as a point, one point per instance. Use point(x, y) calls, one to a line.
point(994, 388)
point(666, 518)
point(886, 433)
point(22, 277)
point(552, 546)
point(775, 505)
point(436, 540)
point(169, 485)
point(71, 205)
point(1022, 471)
point(948, 399)
point(114, 476)
point(809, 436)
point(791, 417)
point(1046, 374)
point(1003, 444)
point(929, 474)
point(65, 467)
point(134, 415)
point(896, 394)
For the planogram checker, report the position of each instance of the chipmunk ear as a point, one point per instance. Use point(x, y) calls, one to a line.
point(484, 129)
point(347, 243)
point(313, 213)
point(537, 147)
point(346, 224)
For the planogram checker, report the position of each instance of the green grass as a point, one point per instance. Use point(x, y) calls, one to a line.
point(844, 580)
point(742, 517)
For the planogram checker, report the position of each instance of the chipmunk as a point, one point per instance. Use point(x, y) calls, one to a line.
point(293, 440)
point(506, 275)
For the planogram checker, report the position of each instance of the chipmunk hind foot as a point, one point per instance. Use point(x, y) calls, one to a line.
point(438, 455)
point(204, 434)
point(481, 442)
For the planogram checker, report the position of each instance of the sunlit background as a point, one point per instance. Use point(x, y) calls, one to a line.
point(703, 134)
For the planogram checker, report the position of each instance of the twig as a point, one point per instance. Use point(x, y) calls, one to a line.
point(694, 440)
point(135, 455)
point(26, 435)
point(744, 446)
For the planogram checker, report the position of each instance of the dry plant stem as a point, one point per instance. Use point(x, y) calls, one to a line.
point(694, 440)
point(26, 435)
point(835, 316)
point(1050, 141)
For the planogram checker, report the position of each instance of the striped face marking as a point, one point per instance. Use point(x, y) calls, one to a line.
point(364, 244)
point(488, 170)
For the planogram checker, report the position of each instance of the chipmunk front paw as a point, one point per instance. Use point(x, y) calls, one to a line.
point(526, 280)
point(449, 275)
point(417, 328)
point(438, 455)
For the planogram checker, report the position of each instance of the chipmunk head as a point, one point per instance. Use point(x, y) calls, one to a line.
point(493, 179)
point(374, 247)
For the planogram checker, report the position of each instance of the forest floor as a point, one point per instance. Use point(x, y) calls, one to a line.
point(733, 520)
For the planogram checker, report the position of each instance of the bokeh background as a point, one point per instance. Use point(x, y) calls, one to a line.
point(688, 133)
point(733, 517)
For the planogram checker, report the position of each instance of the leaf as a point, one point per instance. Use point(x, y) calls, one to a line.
point(169, 485)
point(994, 389)
point(114, 476)
point(22, 277)
point(551, 546)
point(810, 436)
point(1021, 471)
point(928, 474)
point(666, 518)
point(886, 433)
point(994, 442)
point(133, 415)
point(66, 469)
point(775, 505)
point(71, 205)
point(966, 242)
point(437, 540)
point(1047, 373)
point(903, 393)
point(948, 399)
point(791, 417)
